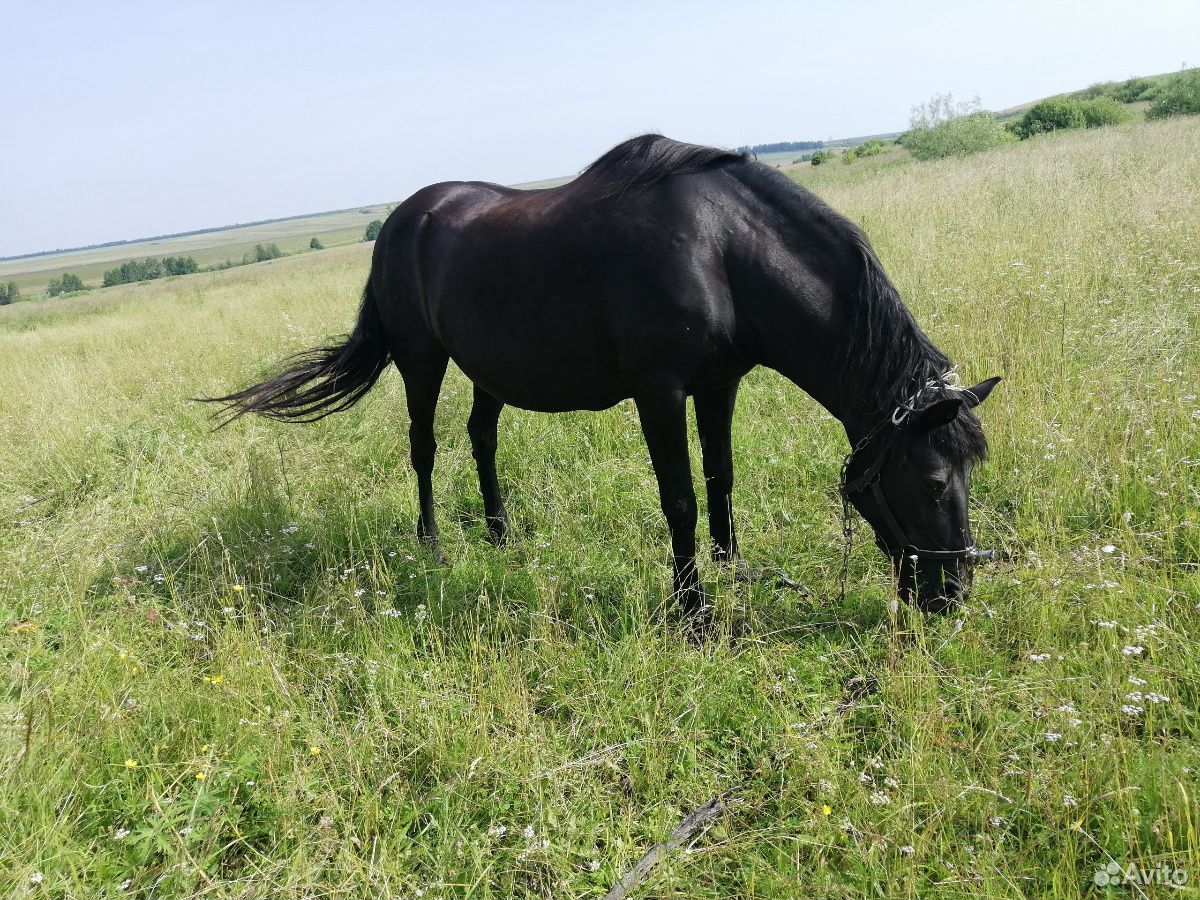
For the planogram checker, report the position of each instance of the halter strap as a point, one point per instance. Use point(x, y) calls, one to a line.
point(895, 540)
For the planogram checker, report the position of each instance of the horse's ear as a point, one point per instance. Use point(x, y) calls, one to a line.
point(937, 414)
point(979, 393)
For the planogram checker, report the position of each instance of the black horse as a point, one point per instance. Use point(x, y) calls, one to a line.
point(664, 270)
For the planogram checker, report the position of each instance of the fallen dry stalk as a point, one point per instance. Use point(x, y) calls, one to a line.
point(682, 832)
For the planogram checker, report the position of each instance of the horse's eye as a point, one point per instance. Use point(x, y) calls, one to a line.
point(937, 485)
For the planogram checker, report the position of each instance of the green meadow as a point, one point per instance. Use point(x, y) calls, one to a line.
point(230, 671)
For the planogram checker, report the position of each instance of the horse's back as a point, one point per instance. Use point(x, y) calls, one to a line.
point(558, 299)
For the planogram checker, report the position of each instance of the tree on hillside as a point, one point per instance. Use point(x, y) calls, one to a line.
point(373, 230)
point(65, 285)
point(179, 265)
point(263, 252)
point(942, 127)
point(9, 293)
point(315, 244)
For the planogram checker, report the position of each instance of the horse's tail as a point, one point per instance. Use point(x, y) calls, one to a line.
point(320, 381)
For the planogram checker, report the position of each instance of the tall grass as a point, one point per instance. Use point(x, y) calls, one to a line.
point(231, 672)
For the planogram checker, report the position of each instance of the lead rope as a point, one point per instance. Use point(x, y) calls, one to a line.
point(847, 530)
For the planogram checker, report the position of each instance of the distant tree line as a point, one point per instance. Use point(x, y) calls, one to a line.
point(147, 270)
point(260, 253)
point(150, 268)
point(782, 146)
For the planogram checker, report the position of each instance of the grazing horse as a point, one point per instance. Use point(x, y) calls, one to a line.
point(664, 270)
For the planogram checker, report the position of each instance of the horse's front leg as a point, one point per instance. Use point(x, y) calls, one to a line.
point(714, 421)
point(663, 413)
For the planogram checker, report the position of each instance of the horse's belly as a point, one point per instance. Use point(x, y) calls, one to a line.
point(543, 379)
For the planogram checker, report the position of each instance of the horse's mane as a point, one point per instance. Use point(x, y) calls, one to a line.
point(885, 358)
point(890, 361)
point(642, 161)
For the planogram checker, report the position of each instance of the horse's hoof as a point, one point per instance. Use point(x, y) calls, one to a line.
point(432, 546)
point(697, 622)
point(499, 531)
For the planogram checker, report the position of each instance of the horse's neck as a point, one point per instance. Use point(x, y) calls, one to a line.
point(807, 346)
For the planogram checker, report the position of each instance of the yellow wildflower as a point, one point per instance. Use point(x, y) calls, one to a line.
point(314, 751)
point(237, 588)
point(826, 809)
point(200, 776)
point(131, 763)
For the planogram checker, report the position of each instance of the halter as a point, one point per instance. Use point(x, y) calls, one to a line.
point(894, 539)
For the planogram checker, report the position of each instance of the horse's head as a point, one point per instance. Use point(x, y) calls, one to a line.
point(908, 478)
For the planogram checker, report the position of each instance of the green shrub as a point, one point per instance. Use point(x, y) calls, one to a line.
point(1099, 89)
point(1059, 113)
point(179, 265)
point(65, 285)
point(1179, 95)
point(1104, 111)
point(263, 252)
point(315, 244)
point(1133, 90)
point(958, 136)
point(1050, 115)
point(9, 293)
point(866, 148)
point(373, 230)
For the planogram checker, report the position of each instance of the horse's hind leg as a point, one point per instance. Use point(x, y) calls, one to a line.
point(481, 426)
point(423, 374)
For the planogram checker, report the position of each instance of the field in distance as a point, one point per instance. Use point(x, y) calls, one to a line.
point(209, 248)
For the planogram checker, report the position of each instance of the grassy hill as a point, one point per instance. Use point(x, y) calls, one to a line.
point(232, 672)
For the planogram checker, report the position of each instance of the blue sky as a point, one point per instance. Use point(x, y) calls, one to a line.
point(124, 120)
